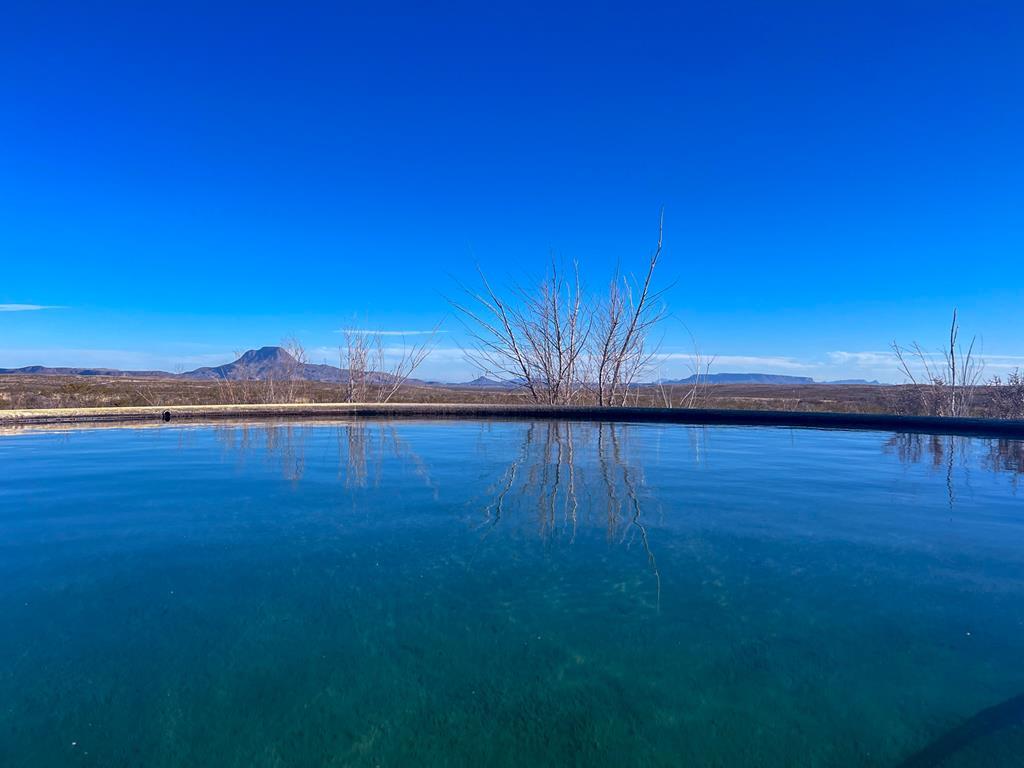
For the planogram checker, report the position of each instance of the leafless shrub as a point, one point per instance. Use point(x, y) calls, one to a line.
point(944, 384)
point(355, 360)
point(533, 338)
point(620, 343)
point(144, 392)
point(1007, 398)
point(559, 345)
point(692, 393)
point(293, 363)
point(246, 386)
point(374, 372)
point(405, 360)
point(242, 388)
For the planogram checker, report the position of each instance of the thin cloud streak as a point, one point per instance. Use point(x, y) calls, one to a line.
point(889, 358)
point(26, 307)
point(756, 361)
point(366, 332)
point(866, 359)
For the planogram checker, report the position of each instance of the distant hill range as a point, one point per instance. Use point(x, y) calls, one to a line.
point(42, 370)
point(742, 378)
point(759, 378)
point(269, 363)
point(480, 382)
point(263, 364)
point(276, 363)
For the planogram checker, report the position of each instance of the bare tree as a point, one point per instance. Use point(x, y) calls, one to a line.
point(242, 388)
point(294, 363)
point(534, 338)
point(559, 345)
point(375, 372)
point(396, 365)
point(945, 383)
point(355, 360)
point(691, 393)
point(620, 349)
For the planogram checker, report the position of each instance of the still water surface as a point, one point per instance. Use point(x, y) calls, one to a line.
point(510, 593)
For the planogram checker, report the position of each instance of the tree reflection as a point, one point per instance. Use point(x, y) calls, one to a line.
point(948, 453)
point(285, 444)
point(563, 475)
point(362, 449)
point(1005, 455)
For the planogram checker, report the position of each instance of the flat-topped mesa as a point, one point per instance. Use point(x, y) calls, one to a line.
point(268, 363)
point(265, 355)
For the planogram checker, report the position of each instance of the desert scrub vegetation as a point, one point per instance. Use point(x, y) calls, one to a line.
point(374, 373)
point(1007, 398)
point(948, 382)
point(284, 382)
point(560, 344)
point(30, 392)
point(940, 383)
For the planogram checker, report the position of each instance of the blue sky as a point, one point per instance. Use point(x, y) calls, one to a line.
point(180, 182)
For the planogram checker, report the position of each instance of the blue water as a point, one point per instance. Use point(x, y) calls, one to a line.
point(509, 593)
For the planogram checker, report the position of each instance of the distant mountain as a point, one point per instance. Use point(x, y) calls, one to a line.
point(42, 370)
point(854, 381)
point(481, 382)
point(261, 364)
point(276, 363)
point(743, 378)
point(268, 363)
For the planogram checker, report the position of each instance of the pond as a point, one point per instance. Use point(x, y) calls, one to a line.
point(386, 593)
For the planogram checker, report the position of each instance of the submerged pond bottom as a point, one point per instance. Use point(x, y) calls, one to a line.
point(510, 593)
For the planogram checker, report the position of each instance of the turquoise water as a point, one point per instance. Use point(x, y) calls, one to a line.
point(509, 593)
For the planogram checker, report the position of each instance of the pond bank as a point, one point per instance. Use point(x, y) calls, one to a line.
point(695, 416)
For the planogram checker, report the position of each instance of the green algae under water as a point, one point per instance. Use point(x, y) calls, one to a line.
point(507, 593)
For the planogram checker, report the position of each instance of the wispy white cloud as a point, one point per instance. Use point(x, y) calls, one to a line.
point(437, 354)
point(862, 359)
point(872, 359)
point(730, 363)
point(370, 332)
point(26, 307)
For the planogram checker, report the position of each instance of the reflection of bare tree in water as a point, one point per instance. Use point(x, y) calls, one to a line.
point(352, 445)
point(947, 452)
point(562, 472)
point(1003, 455)
point(362, 449)
point(630, 503)
point(285, 443)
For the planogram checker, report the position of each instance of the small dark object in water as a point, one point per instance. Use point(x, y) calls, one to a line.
point(1009, 712)
point(166, 416)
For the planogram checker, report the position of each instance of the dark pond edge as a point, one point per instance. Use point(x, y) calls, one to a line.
point(985, 723)
point(694, 416)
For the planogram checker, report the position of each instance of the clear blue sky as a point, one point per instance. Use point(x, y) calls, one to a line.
point(181, 182)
